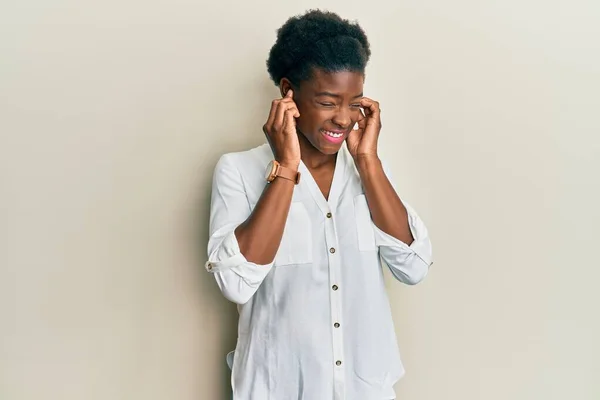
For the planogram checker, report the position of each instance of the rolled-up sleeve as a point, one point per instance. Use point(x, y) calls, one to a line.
point(409, 263)
point(237, 278)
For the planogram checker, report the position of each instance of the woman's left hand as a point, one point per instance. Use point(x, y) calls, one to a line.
point(362, 142)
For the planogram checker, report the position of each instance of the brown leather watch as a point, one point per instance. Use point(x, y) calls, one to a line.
point(274, 170)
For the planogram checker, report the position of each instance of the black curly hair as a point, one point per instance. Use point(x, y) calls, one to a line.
point(317, 39)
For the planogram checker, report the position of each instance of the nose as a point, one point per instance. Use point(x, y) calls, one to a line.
point(342, 118)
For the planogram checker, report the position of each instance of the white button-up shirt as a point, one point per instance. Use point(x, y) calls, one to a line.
point(316, 323)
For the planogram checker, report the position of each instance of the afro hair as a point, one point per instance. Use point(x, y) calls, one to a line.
point(317, 39)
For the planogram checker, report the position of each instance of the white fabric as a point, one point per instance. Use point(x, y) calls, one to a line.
point(288, 344)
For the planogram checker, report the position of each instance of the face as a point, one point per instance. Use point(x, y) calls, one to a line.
point(329, 106)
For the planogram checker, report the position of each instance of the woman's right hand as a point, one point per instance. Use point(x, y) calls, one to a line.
point(280, 130)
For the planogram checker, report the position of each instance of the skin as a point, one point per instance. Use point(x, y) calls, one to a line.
point(294, 129)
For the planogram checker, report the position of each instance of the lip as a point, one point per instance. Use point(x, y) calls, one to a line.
point(334, 140)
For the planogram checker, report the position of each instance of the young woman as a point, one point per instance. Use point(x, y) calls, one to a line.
point(299, 227)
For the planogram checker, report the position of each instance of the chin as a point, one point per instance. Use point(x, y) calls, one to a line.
point(324, 146)
point(321, 144)
point(330, 149)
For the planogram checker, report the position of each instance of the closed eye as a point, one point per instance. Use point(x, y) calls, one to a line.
point(355, 105)
point(327, 104)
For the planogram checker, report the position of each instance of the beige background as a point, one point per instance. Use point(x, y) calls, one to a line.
point(113, 115)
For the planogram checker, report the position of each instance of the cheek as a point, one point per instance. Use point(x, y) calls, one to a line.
point(304, 124)
point(311, 121)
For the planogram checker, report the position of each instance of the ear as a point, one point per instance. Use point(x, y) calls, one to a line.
point(284, 86)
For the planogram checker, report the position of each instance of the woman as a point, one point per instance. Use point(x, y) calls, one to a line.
point(298, 247)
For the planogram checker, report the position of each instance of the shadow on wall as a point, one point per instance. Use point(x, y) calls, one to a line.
point(236, 134)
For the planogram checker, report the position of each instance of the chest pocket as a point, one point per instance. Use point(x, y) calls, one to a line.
point(364, 224)
point(296, 244)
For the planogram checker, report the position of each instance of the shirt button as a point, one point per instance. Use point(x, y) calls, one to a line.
point(332, 250)
point(328, 215)
point(338, 363)
point(336, 325)
point(334, 287)
point(209, 266)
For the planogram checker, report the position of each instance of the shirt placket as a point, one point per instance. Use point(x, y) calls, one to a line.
point(335, 295)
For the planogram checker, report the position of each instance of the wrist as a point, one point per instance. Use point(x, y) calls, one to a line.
point(289, 164)
point(367, 161)
point(287, 171)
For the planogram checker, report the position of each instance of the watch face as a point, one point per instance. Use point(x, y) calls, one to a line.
point(269, 171)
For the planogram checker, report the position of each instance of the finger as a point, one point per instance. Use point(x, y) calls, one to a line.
point(289, 123)
point(367, 108)
point(362, 115)
point(282, 107)
point(296, 111)
point(371, 106)
point(361, 119)
point(362, 124)
point(289, 94)
point(353, 137)
point(287, 100)
point(291, 104)
point(285, 121)
point(272, 113)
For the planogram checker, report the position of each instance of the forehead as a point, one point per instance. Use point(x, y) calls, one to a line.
point(342, 82)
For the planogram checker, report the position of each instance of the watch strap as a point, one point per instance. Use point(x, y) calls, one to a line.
point(287, 173)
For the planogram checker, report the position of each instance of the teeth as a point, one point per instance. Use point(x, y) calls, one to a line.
point(334, 135)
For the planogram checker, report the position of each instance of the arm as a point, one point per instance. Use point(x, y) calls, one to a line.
point(399, 233)
point(243, 242)
point(387, 210)
point(259, 236)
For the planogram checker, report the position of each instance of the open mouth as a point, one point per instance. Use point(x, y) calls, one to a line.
point(333, 137)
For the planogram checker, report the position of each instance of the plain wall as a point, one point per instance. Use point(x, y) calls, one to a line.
point(113, 115)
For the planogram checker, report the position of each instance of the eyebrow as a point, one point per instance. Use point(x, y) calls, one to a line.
point(334, 95)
